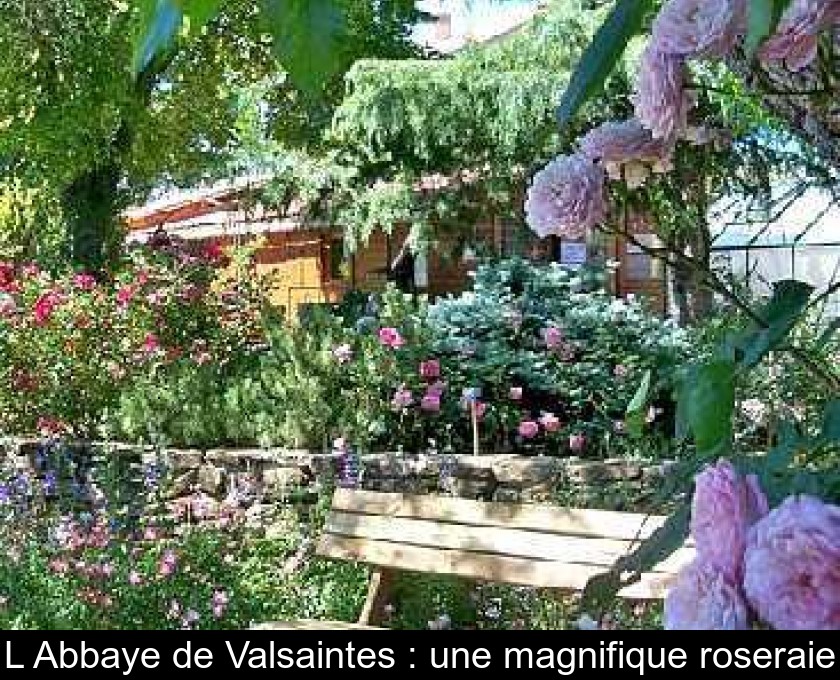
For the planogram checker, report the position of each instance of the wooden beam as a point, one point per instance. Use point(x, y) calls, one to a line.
point(380, 587)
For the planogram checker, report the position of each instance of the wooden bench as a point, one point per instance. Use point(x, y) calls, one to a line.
point(520, 544)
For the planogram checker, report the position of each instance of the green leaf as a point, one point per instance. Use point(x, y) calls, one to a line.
point(762, 19)
point(780, 315)
point(602, 55)
point(706, 405)
point(307, 37)
point(828, 333)
point(160, 21)
point(200, 12)
point(636, 410)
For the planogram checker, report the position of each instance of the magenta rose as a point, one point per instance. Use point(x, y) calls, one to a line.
point(430, 369)
point(566, 198)
point(390, 337)
point(705, 598)
point(792, 566)
point(724, 507)
point(430, 402)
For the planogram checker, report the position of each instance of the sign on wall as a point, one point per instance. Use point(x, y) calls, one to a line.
point(573, 254)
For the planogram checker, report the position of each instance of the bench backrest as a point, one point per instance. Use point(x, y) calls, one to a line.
point(522, 544)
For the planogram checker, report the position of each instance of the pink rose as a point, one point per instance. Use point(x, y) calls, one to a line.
point(550, 422)
point(797, 35)
point(516, 393)
point(621, 371)
point(723, 509)
point(430, 369)
point(553, 337)
point(402, 398)
point(566, 198)
point(577, 442)
point(480, 409)
point(390, 337)
point(45, 307)
point(430, 402)
point(437, 389)
point(792, 566)
point(615, 145)
point(660, 101)
point(699, 28)
point(704, 598)
point(528, 429)
point(151, 343)
point(84, 282)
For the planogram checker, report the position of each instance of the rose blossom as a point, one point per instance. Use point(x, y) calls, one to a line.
point(699, 28)
point(528, 429)
point(553, 337)
point(792, 566)
point(550, 422)
point(516, 393)
point(430, 402)
point(723, 508)
point(704, 598)
point(797, 35)
point(577, 442)
point(390, 337)
point(437, 389)
point(430, 368)
point(566, 198)
point(402, 398)
point(84, 282)
point(45, 306)
point(626, 150)
point(151, 343)
point(661, 102)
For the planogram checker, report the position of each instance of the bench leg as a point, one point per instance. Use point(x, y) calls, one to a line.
point(379, 593)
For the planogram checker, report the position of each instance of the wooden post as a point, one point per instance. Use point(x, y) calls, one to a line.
point(378, 597)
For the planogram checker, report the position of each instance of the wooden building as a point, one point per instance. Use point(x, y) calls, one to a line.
point(305, 262)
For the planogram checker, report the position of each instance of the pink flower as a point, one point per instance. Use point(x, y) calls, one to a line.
point(553, 337)
point(516, 393)
point(7, 277)
point(51, 427)
point(550, 422)
point(45, 306)
point(84, 282)
point(220, 602)
point(430, 369)
point(619, 143)
point(723, 508)
point(125, 295)
point(437, 389)
point(577, 442)
point(704, 598)
point(480, 409)
point(168, 563)
point(566, 198)
point(797, 35)
point(621, 371)
point(699, 28)
point(792, 566)
point(134, 578)
point(430, 402)
point(660, 101)
point(343, 353)
point(402, 398)
point(528, 429)
point(390, 337)
point(151, 343)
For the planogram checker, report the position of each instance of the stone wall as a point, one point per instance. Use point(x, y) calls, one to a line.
point(200, 482)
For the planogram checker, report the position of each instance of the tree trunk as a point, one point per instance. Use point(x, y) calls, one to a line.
point(91, 208)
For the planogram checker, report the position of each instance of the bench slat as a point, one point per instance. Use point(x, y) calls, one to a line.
point(480, 566)
point(491, 540)
point(553, 520)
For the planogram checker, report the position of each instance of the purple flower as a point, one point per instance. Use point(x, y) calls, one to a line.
point(699, 28)
point(792, 566)
point(616, 144)
point(796, 38)
point(566, 198)
point(553, 337)
point(704, 598)
point(430, 402)
point(430, 369)
point(660, 101)
point(168, 563)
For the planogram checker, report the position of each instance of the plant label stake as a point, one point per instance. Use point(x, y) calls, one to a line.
point(474, 413)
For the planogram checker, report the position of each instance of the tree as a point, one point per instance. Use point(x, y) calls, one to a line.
point(99, 134)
